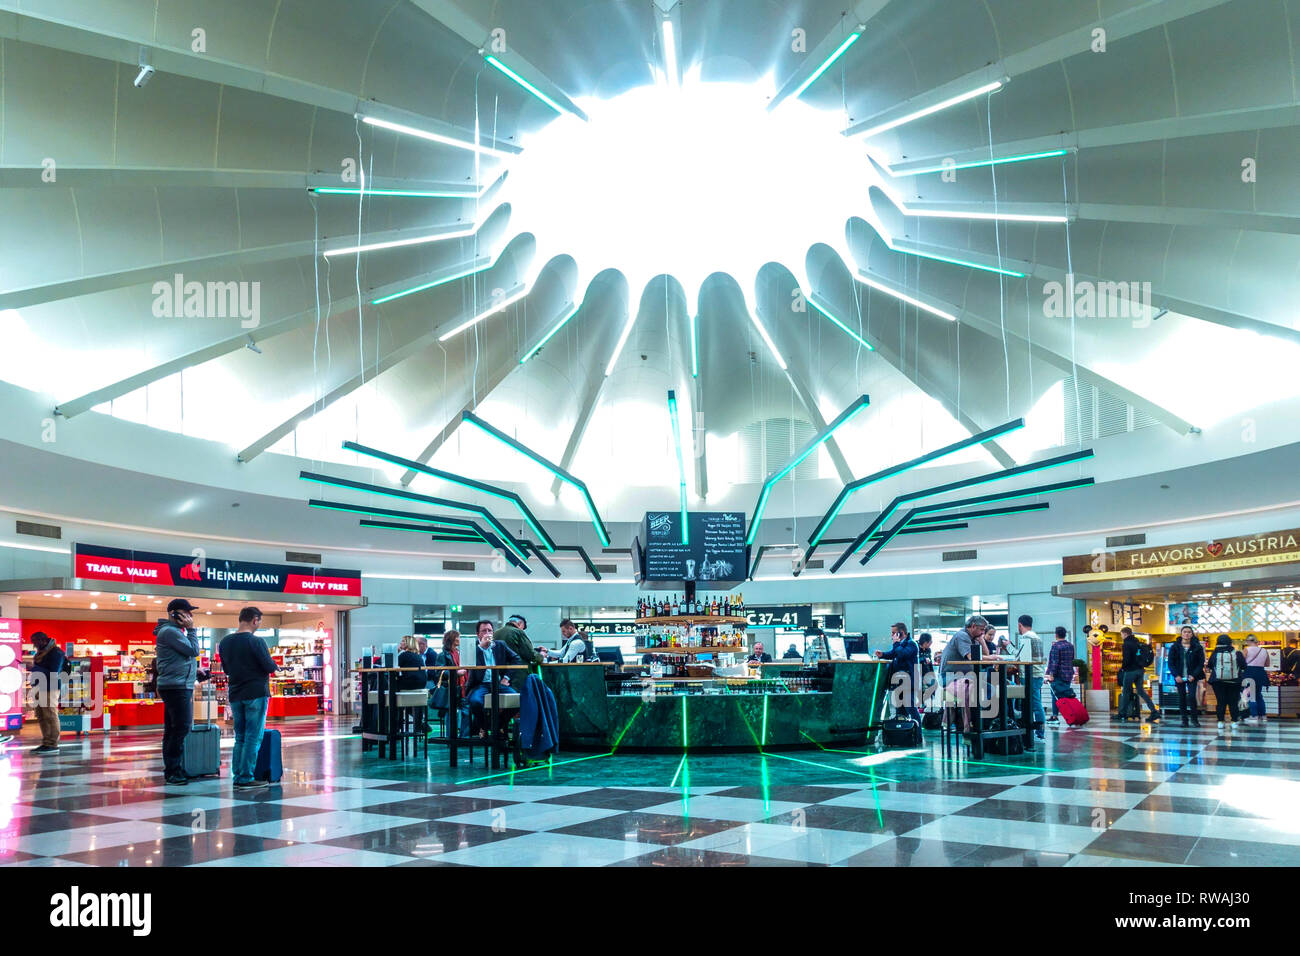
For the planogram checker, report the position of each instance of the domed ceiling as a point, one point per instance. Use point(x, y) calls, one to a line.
point(285, 224)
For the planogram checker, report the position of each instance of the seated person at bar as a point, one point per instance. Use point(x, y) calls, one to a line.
point(758, 656)
point(961, 679)
point(487, 654)
point(409, 656)
point(792, 654)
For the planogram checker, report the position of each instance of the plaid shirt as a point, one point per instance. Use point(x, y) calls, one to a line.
point(1060, 661)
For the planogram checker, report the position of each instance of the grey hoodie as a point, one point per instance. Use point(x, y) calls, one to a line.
point(177, 659)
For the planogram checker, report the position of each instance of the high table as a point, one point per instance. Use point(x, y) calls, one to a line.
point(1000, 720)
point(379, 726)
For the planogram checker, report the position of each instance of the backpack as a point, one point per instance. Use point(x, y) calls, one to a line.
point(1145, 655)
point(1225, 665)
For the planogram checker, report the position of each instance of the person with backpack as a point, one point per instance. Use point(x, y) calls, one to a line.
point(1255, 679)
point(1136, 658)
point(902, 657)
point(1227, 665)
point(1187, 664)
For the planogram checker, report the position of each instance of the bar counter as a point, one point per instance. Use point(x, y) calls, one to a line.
point(839, 706)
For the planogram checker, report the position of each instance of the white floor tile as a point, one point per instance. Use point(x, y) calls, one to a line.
point(740, 809)
point(315, 827)
point(985, 831)
point(905, 800)
point(534, 816)
point(550, 850)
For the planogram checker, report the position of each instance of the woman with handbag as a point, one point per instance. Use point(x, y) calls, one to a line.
point(1255, 679)
point(449, 656)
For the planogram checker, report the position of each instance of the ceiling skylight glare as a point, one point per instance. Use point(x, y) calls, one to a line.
point(688, 181)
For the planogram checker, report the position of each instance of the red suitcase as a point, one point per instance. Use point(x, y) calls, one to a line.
point(1072, 710)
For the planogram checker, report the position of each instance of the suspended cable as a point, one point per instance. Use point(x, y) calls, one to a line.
point(997, 236)
point(1069, 269)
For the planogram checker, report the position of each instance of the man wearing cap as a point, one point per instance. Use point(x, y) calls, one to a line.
point(512, 636)
point(177, 664)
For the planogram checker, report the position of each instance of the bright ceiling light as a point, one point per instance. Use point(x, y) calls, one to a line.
point(670, 54)
point(504, 303)
point(688, 182)
point(399, 243)
point(904, 297)
point(989, 216)
point(976, 164)
point(434, 137)
point(929, 110)
point(493, 61)
point(431, 285)
point(622, 340)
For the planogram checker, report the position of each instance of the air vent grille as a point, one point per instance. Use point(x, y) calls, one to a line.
point(39, 530)
point(1125, 540)
point(627, 551)
point(607, 568)
point(458, 565)
point(302, 557)
point(960, 555)
point(816, 564)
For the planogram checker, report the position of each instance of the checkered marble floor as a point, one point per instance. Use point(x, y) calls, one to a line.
point(1103, 795)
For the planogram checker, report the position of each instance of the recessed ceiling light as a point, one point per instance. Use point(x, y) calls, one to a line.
point(94, 594)
point(58, 595)
point(94, 606)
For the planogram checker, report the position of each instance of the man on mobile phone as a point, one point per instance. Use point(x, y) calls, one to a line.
point(177, 666)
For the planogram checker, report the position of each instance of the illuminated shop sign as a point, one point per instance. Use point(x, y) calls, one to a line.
point(215, 574)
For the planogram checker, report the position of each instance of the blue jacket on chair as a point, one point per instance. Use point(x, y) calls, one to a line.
point(539, 719)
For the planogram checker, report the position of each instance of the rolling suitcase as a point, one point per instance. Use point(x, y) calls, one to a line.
point(201, 754)
point(268, 765)
point(1072, 710)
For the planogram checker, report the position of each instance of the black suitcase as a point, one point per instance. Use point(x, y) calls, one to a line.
point(1005, 746)
point(901, 732)
point(932, 720)
point(201, 750)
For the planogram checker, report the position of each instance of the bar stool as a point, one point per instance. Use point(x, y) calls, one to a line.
point(412, 714)
point(509, 720)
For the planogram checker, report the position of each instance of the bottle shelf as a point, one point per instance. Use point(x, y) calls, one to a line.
point(716, 649)
point(692, 619)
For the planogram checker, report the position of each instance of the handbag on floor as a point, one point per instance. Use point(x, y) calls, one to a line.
point(901, 732)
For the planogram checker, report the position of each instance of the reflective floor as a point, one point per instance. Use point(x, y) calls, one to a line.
point(1102, 795)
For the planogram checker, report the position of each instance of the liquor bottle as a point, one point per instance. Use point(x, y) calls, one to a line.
point(726, 607)
point(677, 608)
point(713, 608)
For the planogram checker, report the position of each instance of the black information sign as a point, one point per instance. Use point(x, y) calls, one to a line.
point(714, 554)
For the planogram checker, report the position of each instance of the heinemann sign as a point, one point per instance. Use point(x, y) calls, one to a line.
point(1221, 554)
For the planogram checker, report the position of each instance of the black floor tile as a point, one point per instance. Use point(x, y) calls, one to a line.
point(1134, 845)
point(679, 856)
point(910, 851)
point(664, 829)
point(614, 798)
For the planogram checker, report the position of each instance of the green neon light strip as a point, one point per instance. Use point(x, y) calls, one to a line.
point(389, 512)
point(852, 39)
point(1007, 496)
point(1027, 157)
point(470, 483)
point(540, 766)
point(550, 466)
point(490, 518)
point(447, 534)
point(412, 193)
point(681, 763)
point(547, 337)
point(854, 486)
point(853, 335)
point(957, 486)
point(822, 766)
point(683, 721)
point(431, 285)
point(764, 743)
point(959, 262)
point(622, 733)
point(681, 464)
point(991, 513)
point(528, 86)
point(842, 419)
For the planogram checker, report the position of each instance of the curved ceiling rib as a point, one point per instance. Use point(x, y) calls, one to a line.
point(412, 348)
point(470, 29)
point(51, 29)
point(1142, 16)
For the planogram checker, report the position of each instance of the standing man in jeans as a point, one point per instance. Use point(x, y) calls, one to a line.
point(1060, 669)
point(46, 674)
point(248, 667)
point(177, 665)
point(1031, 649)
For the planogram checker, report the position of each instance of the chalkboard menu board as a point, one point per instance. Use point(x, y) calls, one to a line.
point(714, 555)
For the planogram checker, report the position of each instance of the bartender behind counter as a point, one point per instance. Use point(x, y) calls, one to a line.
point(758, 657)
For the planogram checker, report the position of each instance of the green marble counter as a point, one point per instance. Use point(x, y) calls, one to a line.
point(590, 718)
